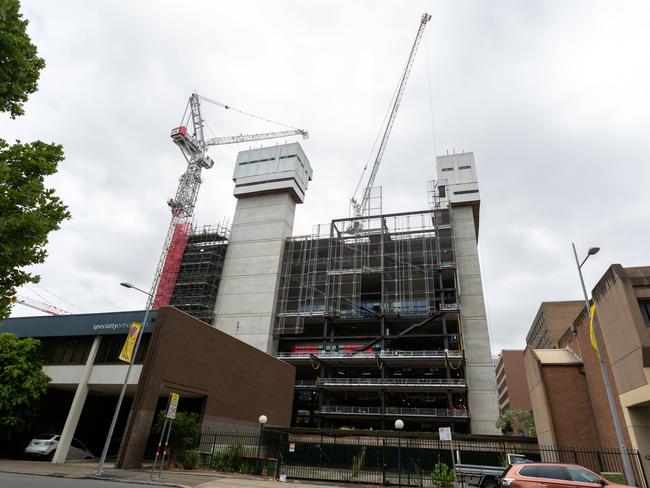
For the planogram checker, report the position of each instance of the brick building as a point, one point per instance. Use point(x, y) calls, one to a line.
point(551, 320)
point(512, 385)
point(566, 386)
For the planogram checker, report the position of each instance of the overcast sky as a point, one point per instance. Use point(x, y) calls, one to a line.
point(552, 97)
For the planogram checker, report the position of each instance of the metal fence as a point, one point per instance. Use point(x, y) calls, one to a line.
point(381, 457)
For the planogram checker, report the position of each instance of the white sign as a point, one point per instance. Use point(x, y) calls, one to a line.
point(444, 433)
point(292, 447)
point(173, 405)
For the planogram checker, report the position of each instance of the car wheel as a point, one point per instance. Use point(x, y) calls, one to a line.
point(489, 483)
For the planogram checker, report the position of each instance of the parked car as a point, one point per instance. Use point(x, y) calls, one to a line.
point(486, 476)
point(44, 446)
point(551, 475)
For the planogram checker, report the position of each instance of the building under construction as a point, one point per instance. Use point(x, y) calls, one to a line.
point(382, 315)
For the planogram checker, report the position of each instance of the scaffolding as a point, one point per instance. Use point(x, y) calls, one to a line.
point(200, 272)
point(396, 265)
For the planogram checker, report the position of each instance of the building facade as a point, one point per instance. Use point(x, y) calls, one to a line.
point(177, 353)
point(550, 322)
point(512, 385)
point(566, 385)
point(383, 316)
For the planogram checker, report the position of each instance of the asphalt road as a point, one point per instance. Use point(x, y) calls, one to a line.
point(10, 480)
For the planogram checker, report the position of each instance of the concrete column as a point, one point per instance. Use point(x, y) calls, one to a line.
point(251, 272)
point(481, 381)
point(76, 408)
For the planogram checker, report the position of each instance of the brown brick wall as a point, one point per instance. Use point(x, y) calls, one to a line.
point(581, 344)
point(570, 406)
point(237, 381)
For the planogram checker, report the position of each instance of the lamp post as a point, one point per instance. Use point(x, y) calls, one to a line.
point(102, 459)
point(627, 467)
point(399, 425)
point(262, 420)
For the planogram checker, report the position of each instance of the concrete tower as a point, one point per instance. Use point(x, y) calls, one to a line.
point(458, 187)
point(268, 183)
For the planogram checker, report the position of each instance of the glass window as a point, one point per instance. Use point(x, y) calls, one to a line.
point(645, 311)
point(529, 471)
point(582, 475)
point(551, 472)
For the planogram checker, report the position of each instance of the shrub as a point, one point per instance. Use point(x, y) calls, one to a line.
point(189, 459)
point(443, 475)
point(230, 459)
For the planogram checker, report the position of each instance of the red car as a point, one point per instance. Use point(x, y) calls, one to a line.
point(549, 475)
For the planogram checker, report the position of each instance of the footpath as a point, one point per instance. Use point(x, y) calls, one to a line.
point(179, 479)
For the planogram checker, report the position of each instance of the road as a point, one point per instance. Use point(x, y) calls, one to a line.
point(10, 480)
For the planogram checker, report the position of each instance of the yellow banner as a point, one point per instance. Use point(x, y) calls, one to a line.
point(129, 344)
point(592, 331)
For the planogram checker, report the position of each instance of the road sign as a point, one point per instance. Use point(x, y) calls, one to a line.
point(444, 433)
point(173, 405)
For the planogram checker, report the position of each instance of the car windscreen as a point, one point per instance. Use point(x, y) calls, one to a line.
point(44, 437)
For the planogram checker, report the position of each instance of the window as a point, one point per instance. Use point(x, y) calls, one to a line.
point(582, 475)
point(529, 471)
point(551, 472)
point(464, 192)
point(464, 167)
point(645, 311)
point(446, 169)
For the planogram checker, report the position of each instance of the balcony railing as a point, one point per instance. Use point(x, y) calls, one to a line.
point(394, 411)
point(387, 382)
point(386, 354)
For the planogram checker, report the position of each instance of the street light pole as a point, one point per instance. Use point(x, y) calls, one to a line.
point(262, 420)
point(399, 425)
point(102, 459)
point(627, 466)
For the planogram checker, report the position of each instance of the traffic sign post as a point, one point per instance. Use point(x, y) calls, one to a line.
point(170, 415)
point(444, 433)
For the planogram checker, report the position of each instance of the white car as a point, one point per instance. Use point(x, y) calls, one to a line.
point(44, 446)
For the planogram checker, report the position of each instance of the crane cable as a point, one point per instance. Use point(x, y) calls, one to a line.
point(228, 107)
point(433, 124)
point(381, 131)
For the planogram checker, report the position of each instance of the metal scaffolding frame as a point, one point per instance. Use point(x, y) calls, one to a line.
point(198, 279)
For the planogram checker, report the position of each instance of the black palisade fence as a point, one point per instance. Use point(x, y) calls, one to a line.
point(380, 457)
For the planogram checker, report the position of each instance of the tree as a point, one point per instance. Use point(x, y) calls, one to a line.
point(29, 210)
point(22, 383)
point(184, 433)
point(20, 66)
point(514, 420)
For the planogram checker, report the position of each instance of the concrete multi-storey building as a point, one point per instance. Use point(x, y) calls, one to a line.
point(382, 315)
point(512, 385)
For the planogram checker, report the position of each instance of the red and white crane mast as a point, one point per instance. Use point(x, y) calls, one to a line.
point(195, 151)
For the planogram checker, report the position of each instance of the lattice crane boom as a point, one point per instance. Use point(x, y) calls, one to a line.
point(42, 306)
point(359, 207)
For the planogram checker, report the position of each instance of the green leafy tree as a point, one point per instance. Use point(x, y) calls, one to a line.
point(20, 66)
point(514, 420)
point(29, 210)
point(22, 383)
point(184, 433)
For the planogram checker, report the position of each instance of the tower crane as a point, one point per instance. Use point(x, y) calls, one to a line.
point(359, 207)
point(194, 148)
point(42, 306)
